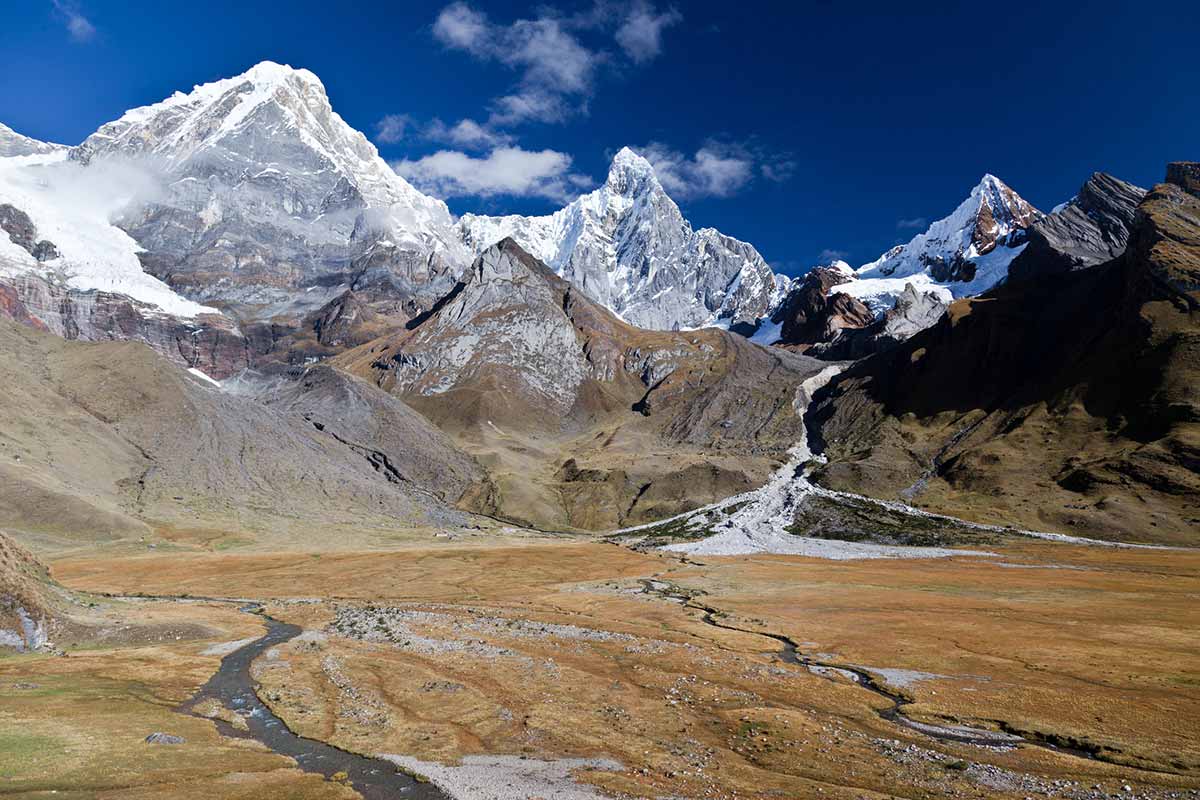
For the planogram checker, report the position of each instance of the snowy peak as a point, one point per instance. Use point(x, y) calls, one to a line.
point(630, 174)
point(961, 255)
point(627, 246)
point(992, 216)
point(182, 123)
point(1001, 215)
point(270, 124)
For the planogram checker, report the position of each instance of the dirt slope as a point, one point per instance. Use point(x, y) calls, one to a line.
point(109, 440)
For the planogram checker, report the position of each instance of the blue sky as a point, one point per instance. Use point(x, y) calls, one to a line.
point(807, 129)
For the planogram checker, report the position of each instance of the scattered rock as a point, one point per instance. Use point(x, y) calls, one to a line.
point(164, 738)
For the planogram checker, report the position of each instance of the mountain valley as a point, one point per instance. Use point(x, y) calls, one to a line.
point(310, 488)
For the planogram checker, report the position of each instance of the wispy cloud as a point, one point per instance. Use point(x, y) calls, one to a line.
point(391, 128)
point(640, 35)
point(716, 169)
point(553, 64)
point(910, 224)
point(829, 255)
point(506, 170)
point(778, 170)
point(713, 171)
point(79, 27)
point(557, 70)
point(466, 133)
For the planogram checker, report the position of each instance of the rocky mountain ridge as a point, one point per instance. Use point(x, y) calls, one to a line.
point(627, 246)
point(1068, 403)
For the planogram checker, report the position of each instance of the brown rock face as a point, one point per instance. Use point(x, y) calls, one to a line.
point(1072, 404)
point(1010, 207)
point(810, 314)
point(12, 308)
point(1167, 237)
point(1185, 175)
point(210, 342)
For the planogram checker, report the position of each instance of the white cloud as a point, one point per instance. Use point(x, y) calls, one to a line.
point(506, 170)
point(532, 104)
point(79, 27)
point(557, 70)
point(390, 129)
point(714, 171)
point(720, 168)
point(915, 222)
point(466, 133)
point(460, 26)
point(640, 36)
point(552, 62)
point(829, 255)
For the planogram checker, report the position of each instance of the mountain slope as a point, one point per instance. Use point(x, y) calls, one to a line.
point(628, 247)
point(582, 419)
point(110, 441)
point(29, 599)
point(1098, 434)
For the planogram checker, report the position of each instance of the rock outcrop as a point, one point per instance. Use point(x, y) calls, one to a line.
point(210, 342)
point(23, 233)
point(1091, 228)
point(814, 312)
point(29, 599)
point(915, 310)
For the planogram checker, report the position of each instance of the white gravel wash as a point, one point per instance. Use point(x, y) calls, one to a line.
point(902, 678)
point(225, 648)
point(759, 525)
point(510, 777)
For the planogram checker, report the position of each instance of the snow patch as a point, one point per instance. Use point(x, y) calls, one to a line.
point(72, 206)
point(203, 377)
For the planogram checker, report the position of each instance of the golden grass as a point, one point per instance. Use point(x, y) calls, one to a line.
point(1087, 644)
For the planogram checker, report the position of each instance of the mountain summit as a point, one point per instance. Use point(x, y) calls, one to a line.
point(967, 252)
point(627, 246)
point(269, 192)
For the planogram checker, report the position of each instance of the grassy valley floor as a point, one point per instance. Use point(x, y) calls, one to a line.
point(544, 651)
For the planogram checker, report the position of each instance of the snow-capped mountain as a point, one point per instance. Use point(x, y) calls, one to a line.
point(964, 254)
point(268, 193)
point(627, 246)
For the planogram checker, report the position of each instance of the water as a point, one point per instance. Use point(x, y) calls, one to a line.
point(233, 687)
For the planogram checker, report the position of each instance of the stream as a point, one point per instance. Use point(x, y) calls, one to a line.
point(790, 653)
point(233, 687)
